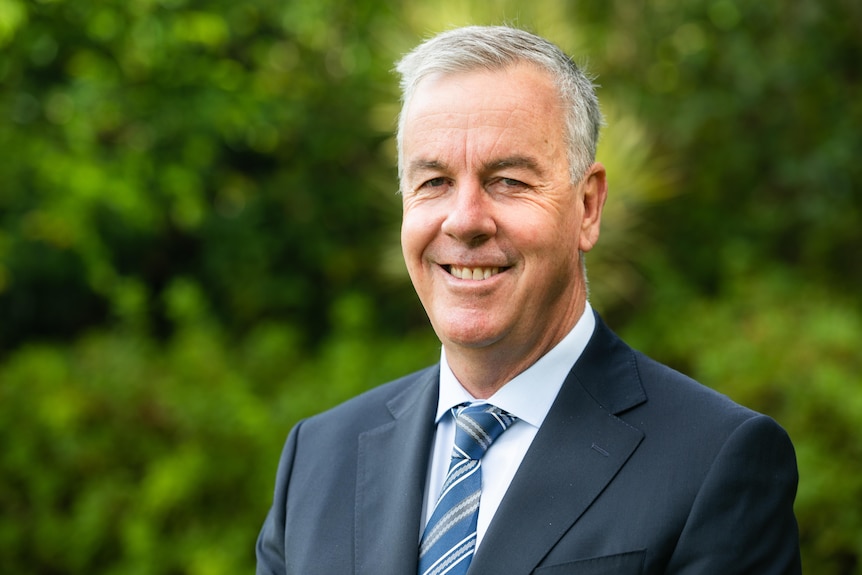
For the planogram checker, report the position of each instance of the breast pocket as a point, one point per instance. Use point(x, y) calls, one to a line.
point(623, 564)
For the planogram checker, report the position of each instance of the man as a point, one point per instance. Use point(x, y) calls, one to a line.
point(600, 460)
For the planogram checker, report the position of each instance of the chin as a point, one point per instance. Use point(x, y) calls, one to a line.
point(469, 336)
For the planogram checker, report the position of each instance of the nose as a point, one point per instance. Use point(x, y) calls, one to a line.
point(469, 218)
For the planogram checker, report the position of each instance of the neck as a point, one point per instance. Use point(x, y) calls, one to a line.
point(482, 371)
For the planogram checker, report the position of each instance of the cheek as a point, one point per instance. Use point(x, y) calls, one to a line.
point(539, 230)
point(416, 233)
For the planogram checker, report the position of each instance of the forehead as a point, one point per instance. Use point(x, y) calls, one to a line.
point(484, 112)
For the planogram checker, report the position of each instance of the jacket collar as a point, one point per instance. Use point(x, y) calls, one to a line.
point(579, 449)
point(390, 483)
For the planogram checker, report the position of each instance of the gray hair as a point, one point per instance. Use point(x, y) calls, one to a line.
point(497, 47)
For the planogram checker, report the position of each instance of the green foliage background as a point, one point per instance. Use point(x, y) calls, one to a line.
point(198, 246)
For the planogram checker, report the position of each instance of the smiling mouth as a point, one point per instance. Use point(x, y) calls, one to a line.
point(468, 273)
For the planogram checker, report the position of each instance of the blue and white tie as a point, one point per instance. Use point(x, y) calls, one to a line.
point(449, 540)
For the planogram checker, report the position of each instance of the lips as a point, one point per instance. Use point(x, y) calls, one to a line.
point(473, 273)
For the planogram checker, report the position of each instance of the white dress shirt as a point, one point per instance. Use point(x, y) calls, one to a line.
point(528, 397)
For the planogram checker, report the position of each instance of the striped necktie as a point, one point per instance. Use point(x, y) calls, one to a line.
point(449, 540)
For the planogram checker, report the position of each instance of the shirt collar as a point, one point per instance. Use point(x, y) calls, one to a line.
point(530, 394)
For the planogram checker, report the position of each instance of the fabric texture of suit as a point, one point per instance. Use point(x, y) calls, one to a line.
point(636, 469)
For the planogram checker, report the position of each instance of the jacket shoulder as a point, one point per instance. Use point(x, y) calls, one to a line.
point(377, 405)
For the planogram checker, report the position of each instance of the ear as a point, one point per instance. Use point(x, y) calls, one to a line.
point(594, 192)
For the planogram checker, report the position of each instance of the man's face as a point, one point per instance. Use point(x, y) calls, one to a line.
point(492, 224)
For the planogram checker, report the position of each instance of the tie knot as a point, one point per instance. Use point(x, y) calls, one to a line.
point(476, 428)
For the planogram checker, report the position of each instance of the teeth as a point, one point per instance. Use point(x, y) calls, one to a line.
point(473, 273)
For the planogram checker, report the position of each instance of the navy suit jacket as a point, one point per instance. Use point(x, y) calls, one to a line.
point(636, 469)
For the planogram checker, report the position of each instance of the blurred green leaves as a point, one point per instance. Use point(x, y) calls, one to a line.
point(216, 142)
point(121, 456)
point(198, 245)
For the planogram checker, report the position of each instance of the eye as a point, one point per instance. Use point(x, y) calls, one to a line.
point(513, 183)
point(434, 183)
point(509, 185)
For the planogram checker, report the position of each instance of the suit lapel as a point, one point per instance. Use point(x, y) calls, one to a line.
point(390, 483)
point(578, 450)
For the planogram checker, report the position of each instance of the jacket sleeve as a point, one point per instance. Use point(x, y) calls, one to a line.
point(270, 543)
point(742, 520)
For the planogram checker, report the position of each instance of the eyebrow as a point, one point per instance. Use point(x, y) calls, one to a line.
point(525, 162)
point(422, 165)
point(513, 162)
